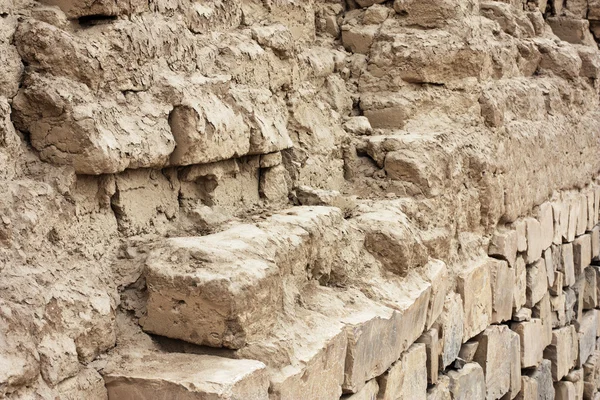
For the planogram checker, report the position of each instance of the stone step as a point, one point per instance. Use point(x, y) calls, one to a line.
point(226, 289)
point(162, 376)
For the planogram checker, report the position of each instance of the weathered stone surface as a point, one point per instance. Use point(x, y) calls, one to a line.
point(534, 240)
point(451, 328)
point(550, 268)
point(537, 282)
point(368, 392)
point(567, 264)
point(572, 30)
point(86, 384)
point(431, 340)
point(491, 354)
point(520, 289)
point(250, 260)
point(590, 289)
point(440, 391)
point(532, 348)
point(587, 336)
point(546, 217)
point(542, 374)
point(565, 390)
point(58, 358)
point(468, 383)
point(152, 376)
point(407, 379)
point(582, 253)
point(521, 228)
point(437, 274)
point(595, 237)
point(474, 287)
point(576, 377)
point(515, 367)
point(503, 283)
point(591, 374)
point(563, 351)
point(523, 314)
point(543, 311)
point(504, 245)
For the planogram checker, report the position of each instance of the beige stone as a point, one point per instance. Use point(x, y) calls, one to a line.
point(491, 355)
point(520, 289)
point(529, 389)
point(546, 218)
point(437, 274)
point(583, 215)
point(474, 287)
point(430, 14)
point(468, 351)
point(565, 390)
point(587, 336)
point(431, 340)
point(503, 284)
point(407, 379)
point(532, 348)
point(543, 311)
point(58, 358)
point(86, 384)
point(562, 352)
point(557, 288)
point(368, 392)
point(591, 375)
point(273, 184)
point(537, 282)
point(523, 314)
point(451, 327)
point(542, 374)
point(534, 240)
point(582, 253)
point(521, 228)
point(515, 367)
point(595, 237)
point(550, 267)
point(441, 390)
point(572, 30)
point(590, 296)
point(573, 217)
point(468, 383)
point(561, 221)
point(576, 377)
point(567, 264)
point(153, 376)
point(504, 245)
point(590, 195)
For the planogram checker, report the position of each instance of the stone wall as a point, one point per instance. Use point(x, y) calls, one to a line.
point(281, 199)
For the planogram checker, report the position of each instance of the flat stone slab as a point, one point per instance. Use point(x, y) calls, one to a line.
point(158, 376)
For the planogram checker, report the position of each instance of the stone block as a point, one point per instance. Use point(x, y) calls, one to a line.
point(491, 354)
point(537, 282)
point(590, 289)
point(406, 379)
point(436, 272)
point(474, 287)
point(358, 39)
point(273, 184)
point(595, 238)
point(173, 375)
point(582, 218)
point(562, 352)
point(591, 219)
point(543, 375)
point(468, 383)
point(431, 13)
point(550, 268)
point(587, 336)
point(529, 389)
point(504, 245)
point(440, 391)
point(557, 288)
point(546, 217)
point(521, 228)
point(558, 306)
point(575, 31)
point(451, 327)
point(543, 311)
point(431, 340)
point(503, 284)
point(520, 289)
point(591, 375)
point(573, 216)
point(565, 390)
point(58, 358)
point(582, 253)
point(185, 301)
point(576, 377)
point(467, 351)
point(561, 221)
point(87, 384)
point(532, 348)
point(515, 367)
point(567, 264)
point(523, 314)
point(368, 392)
point(534, 240)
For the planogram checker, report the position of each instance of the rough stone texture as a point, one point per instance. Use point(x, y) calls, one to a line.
point(310, 185)
point(562, 352)
point(407, 379)
point(474, 287)
point(181, 376)
point(467, 383)
point(491, 355)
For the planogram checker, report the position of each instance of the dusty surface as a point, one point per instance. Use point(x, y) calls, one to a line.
point(309, 199)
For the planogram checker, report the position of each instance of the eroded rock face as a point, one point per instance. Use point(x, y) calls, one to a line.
point(334, 199)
